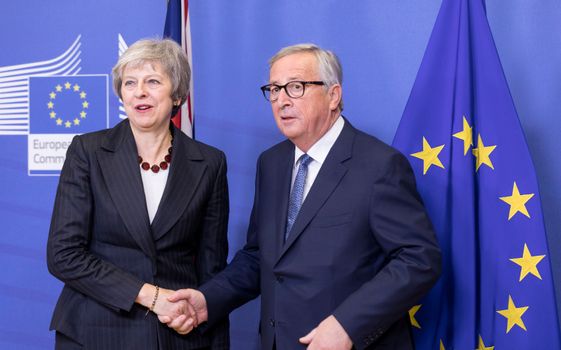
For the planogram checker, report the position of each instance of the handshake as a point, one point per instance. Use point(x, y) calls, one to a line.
point(183, 310)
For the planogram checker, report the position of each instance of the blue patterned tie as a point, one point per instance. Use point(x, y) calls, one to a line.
point(297, 193)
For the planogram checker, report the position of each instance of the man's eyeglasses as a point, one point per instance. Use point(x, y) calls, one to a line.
point(294, 89)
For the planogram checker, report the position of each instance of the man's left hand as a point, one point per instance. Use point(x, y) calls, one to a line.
point(328, 335)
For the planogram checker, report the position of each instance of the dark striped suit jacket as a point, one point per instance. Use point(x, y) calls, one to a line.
point(103, 247)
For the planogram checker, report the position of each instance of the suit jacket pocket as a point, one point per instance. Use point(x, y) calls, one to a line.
point(331, 220)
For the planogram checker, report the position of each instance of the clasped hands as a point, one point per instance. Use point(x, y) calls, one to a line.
point(329, 334)
point(182, 310)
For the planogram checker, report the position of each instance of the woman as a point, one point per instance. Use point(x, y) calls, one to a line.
point(141, 210)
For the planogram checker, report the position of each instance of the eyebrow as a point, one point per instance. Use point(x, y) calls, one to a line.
point(154, 75)
point(288, 80)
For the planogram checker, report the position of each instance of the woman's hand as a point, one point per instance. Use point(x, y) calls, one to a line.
point(164, 308)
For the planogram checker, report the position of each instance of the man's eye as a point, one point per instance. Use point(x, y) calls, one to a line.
point(275, 89)
point(296, 86)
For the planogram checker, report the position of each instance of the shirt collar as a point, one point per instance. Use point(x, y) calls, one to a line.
point(321, 148)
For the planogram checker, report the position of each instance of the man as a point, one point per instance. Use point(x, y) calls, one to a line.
point(343, 269)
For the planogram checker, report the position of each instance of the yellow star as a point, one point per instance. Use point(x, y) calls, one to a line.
point(517, 202)
point(513, 315)
point(83, 114)
point(82, 95)
point(482, 153)
point(59, 121)
point(58, 88)
point(528, 263)
point(429, 156)
point(67, 85)
point(85, 104)
point(465, 135)
point(412, 313)
point(76, 121)
point(52, 114)
point(481, 345)
point(442, 345)
point(50, 105)
point(52, 95)
point(76, 87)
point(68, 124)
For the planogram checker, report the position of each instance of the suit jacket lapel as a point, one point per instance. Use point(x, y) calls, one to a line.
point(119, 166)
point(329, 176)
point(186, 171)
point(282, 188)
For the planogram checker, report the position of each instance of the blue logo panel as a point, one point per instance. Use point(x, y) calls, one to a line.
point(68, 104)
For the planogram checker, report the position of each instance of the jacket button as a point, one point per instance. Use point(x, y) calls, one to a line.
point(272, 322)
point(280, 279)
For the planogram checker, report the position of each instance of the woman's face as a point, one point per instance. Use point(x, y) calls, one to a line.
point(146, 91)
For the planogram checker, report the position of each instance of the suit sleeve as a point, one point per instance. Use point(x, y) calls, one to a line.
point(401, 227)
point(240, 281)
point(68, 257)
point(213, 247)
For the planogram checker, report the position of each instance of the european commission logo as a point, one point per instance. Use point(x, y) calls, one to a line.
point(50, 102)
point(59, 108)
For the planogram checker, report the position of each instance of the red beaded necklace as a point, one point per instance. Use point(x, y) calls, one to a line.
point(156, 168)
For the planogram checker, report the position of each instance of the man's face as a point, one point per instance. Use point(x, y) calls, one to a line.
point(306, 119)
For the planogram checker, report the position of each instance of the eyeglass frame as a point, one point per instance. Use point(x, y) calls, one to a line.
point(267, 87)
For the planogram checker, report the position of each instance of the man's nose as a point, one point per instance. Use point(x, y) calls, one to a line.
point(284, 99)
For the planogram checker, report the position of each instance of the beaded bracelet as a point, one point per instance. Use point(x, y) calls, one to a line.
point(153, 301)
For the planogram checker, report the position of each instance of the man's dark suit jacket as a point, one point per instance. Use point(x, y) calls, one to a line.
point(361, 249)
point(103, 247)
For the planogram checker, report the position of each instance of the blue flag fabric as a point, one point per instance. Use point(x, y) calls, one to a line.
point(461, 133)
point(173, 24)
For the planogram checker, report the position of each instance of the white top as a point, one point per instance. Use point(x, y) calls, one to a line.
point(318, 152)
point(154, 185)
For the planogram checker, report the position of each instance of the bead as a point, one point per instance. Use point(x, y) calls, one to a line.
point(155, 168)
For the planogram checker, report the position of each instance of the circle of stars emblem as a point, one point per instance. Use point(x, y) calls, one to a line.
point(67, 121)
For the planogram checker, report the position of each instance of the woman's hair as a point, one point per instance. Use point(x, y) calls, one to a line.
point(168, 54)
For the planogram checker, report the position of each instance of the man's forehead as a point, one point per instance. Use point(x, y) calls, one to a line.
point(294, 66)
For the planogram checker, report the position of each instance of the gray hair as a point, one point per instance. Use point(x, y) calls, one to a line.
point(329, 66)
point(167, 53)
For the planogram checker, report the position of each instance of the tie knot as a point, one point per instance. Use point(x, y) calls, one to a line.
point(305, 160)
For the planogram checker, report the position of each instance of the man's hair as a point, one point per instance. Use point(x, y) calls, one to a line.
point(168, 54)
point(329, 66)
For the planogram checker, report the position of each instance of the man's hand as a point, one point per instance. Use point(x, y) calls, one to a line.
point(328, 335)
point(198, 312)
point(163, 307)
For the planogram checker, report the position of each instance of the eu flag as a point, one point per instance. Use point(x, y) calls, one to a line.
point(461, 133)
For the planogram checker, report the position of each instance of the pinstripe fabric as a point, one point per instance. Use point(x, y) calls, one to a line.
point(103, 248)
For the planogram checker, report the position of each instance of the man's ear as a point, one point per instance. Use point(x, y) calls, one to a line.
point(335, 93)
